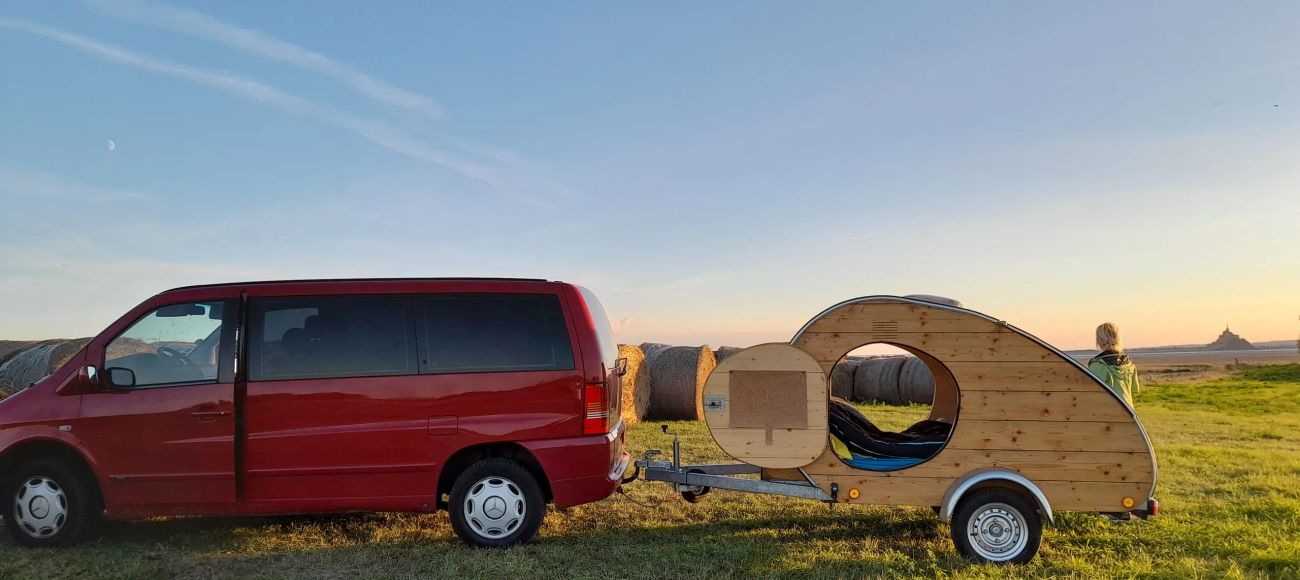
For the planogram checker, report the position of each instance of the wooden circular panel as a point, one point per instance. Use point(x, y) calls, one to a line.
point(767, 406)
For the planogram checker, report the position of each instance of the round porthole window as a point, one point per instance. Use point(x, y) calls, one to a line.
point(892, 407)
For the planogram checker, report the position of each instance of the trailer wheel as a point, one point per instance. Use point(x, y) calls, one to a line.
point(997, 525)
point(693, 494)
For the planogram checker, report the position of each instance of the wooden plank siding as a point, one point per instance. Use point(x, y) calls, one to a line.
point(884, 317)
point(1038, 376)
point(945, 346)
point(1022, 407)
point(1104, 466)
point(1039, 406)
point(1094, 496)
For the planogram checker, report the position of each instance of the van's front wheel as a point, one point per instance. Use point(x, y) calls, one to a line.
point(496, 503)
point(49, 504)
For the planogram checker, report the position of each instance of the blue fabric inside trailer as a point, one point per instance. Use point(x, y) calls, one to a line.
point(882, 463)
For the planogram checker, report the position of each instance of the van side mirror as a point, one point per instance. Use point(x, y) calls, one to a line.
point(620, 367)
point(120, 378)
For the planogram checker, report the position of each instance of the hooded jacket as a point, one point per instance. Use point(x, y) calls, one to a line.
point(1118, 372)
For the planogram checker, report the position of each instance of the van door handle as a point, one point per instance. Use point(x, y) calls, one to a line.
point(207, 416)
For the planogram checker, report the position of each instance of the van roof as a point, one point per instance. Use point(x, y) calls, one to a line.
point(349, 280)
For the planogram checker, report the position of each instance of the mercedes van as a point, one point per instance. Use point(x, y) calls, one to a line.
point(486, 397)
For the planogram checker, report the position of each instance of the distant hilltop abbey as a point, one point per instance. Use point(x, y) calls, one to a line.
point(1229, 341)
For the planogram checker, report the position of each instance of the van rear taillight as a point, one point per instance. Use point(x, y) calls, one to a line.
point(596, 419)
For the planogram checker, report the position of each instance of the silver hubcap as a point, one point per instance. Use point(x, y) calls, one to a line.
point(40, 507)
point(997, 533)
point(494, 507)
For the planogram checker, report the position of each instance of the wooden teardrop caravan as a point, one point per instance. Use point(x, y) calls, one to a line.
point(1016, 409)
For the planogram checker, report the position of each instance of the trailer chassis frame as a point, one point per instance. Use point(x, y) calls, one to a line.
point(699, 479)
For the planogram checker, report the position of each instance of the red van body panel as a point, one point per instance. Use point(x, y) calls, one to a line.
point(317, 445)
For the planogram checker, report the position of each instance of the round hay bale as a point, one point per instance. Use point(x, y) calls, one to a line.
point(915, 382)
point(635, 384)
point(876, 379)
point(65, 352)
point(935, 299)
point(677, 376)
point(725, 352)
point(842, 378)
point(650, 349)
point(12, 347)
point(25, 367)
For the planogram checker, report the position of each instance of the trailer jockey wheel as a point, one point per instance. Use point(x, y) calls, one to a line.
point(693, 494)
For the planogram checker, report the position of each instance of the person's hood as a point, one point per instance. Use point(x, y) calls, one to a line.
point(1114, 359)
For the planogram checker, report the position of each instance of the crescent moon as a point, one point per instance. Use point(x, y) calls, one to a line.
point(111, 146)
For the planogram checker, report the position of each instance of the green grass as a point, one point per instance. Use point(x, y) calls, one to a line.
point(1228, 450)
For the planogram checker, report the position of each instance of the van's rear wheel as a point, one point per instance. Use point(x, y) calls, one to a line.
point(496, 503)
point(50, 504)
point(997, 525)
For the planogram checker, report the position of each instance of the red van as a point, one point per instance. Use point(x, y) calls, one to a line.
point(488, 397)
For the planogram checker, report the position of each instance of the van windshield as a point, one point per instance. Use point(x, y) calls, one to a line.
point(604, 332)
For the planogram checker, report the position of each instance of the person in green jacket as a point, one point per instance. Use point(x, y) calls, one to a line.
point(1112, 366)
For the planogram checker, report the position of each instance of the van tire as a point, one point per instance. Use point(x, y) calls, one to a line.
point(997, 525)
point(49, 504)
point(486, 501)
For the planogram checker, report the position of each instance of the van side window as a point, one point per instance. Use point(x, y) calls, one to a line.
point(330, 336)
point(494, 332)
point(174, 344)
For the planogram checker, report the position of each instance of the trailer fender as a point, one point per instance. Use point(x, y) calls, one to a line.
point(973, 480)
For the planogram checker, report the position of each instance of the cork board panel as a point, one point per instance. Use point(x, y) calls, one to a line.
point(769, 400)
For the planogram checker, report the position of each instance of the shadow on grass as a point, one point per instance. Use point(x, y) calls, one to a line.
point(840, 543)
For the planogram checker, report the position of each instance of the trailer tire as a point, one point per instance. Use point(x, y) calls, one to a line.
point(997, 525)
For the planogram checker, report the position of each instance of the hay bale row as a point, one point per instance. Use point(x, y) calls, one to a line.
point(677, 376)
point(24, 367)
point(876, 379)
point(10, 347)
point(915, 382)
point(897, 380)
point(725, 352)
point(636, 384)
point(650, 349)
point(842, 377)
point(24, 362)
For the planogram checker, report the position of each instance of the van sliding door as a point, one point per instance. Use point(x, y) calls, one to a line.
point(334, 406)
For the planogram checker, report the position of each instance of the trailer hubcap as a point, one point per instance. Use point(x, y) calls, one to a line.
point(40, 507)
point(997, 532)
point(495, 507)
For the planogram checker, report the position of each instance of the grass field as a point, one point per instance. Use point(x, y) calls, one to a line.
point(1228, 450)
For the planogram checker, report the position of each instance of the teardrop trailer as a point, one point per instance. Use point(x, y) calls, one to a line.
point(1018, 430)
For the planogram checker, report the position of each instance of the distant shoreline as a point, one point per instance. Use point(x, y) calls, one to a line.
point(1139, 352)
point(1154, 359)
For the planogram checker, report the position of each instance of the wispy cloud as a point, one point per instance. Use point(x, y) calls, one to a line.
point(194, 23)
point(20, 182)
point(377, 132)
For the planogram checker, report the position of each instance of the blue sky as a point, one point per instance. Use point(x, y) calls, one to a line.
point(717, 173)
